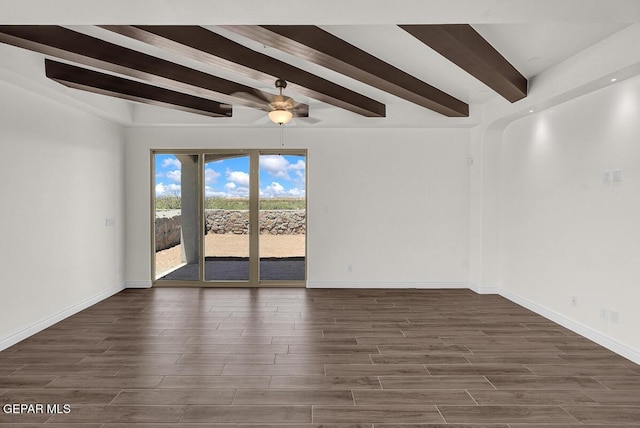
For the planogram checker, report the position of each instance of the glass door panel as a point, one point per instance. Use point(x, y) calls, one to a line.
point(226, 217)
point(176, 217)
point(282, 217)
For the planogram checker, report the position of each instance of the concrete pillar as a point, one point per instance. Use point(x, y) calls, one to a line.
point(189, 217)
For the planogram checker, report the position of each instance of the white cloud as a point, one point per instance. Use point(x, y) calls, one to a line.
point(174, 175)
point(295, 192)
point(238, 177)
point(278, 166)
point(230, 185)
point(210, 175)
point(174, 162)
point(277, 187)
point(240, 192)
point(212, 193)
point(167, 189)
point(274, 164)
point(273, 190)
point(300, 165)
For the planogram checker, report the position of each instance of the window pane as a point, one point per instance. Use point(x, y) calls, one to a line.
point(177, 237)
point(282, 217)
point(226, 216)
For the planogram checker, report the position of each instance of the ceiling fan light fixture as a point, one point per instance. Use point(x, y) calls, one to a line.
point(280, 116)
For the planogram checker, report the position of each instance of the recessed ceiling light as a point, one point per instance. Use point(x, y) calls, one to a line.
point(530, 111)
point(614, 79)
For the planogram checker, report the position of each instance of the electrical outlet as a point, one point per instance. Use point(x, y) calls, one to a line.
point(604, 314)
point(614, 317)
point(574, 301)
point(606, 176)
point(350, 268)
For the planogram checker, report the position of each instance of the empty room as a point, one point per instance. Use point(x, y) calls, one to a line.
point(337, 214)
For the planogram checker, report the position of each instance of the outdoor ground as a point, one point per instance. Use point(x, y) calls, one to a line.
point(236, 246)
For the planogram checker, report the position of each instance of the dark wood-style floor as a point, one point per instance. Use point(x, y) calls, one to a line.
point(316, 358)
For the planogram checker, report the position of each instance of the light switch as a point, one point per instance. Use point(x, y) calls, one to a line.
point(616, 175)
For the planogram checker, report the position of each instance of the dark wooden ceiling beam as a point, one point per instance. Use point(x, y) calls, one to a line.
point(107, 84)
point(206, 46)
point(79, 48)
point(320, 47)
point(465, 47)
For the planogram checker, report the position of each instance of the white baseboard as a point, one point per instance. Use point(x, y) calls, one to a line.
point(384, 284)
point(581, 329)
point(138, 284)
point(483, 290)
point(48, 322)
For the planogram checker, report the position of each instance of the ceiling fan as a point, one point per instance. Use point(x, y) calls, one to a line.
point(281, 108)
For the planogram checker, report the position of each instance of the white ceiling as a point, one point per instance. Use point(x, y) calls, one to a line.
point(533, 42)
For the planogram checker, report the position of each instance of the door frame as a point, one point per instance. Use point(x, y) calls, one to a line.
point(254, 211)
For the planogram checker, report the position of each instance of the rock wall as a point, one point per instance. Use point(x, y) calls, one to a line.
point(167, 232)
point(273, 222)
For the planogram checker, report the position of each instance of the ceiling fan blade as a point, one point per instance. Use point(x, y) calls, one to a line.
point(309, 120)
point(256, 96)
point(300, 110)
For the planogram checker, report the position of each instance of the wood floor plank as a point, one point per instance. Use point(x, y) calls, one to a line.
point(297, 359)
point(375, 370)
point(581, 370)
point(14, 419)
point(70, 369)
point(528, 397)
point(435, 349)
point(544, 382)
point(325, 382)
point(87, 382)
point(172, 369)
point(229, 340)
point(174, 396)
point(220, 382)
point(332, 349)
point(396, 414)
point(273, 369)
point(477, 369)
point(131, 359)
point(116, 413)
point(227, 359)
point(419, 359)
point(616, 398)
point(435, 382)
point(295, 396)
point(75, 396)
point(26, 381)
point(507, 414)
point(411, 397)
point(620, 383)
point(253, 413)
point(242, 349)
point(449, 426)
point(605, 414)
point(302, 340)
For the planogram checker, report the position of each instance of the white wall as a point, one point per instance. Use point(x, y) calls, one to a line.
point(563, 232)
point(393, 203)
point(61, 178)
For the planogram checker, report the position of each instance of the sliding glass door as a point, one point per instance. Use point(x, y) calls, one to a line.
point(229, 218)
point(226, 217)
point(176, 217)
point(282, 217)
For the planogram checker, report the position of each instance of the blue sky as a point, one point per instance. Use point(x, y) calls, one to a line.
point(281, 176)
